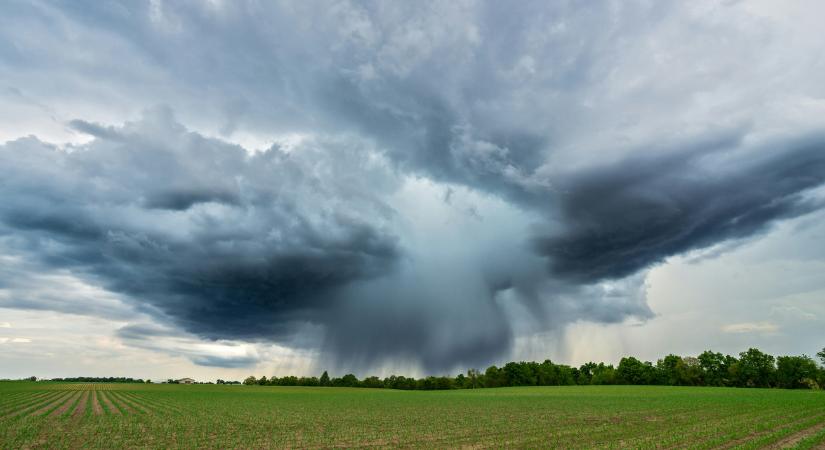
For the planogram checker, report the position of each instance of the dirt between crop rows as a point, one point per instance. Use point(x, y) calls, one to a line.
point(796, 438)
point(97, 409)
point(81, 406)
point(66, 405)
point(109, 405)
point(757, 435)
point(51, 404)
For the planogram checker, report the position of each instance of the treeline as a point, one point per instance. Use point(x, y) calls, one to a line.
point(100, 380)
point(171, 381)
point(752, 368)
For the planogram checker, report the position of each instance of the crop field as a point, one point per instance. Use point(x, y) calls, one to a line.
point(64, 415)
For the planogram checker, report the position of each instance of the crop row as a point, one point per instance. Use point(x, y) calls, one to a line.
point(75, 401)
point(276, 417)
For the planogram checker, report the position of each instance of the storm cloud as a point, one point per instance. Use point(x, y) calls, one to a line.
point(412, 185)
point(626, 216)
point(224, 243)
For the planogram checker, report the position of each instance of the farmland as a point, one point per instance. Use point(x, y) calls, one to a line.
point(66, 415)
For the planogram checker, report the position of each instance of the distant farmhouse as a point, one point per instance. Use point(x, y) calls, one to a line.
point(186, 381)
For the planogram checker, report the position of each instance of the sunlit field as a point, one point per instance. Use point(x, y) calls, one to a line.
point(63, 415)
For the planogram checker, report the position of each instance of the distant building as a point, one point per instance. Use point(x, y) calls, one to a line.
point(186, 381)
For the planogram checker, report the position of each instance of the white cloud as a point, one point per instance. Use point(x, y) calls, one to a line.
point(751, 327)
point(14, 340)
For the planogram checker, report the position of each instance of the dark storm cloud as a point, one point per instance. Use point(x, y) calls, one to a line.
point(516, 102)
point(222, 243)
point(623, 217)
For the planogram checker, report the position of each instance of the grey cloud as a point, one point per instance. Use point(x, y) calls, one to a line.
point(94, 129)
point(253, 244)
point(225, 361)
point(518, 102)
point(143, 331)
point(175, 343)
point(623, 217)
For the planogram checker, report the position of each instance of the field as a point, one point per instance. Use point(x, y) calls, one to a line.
point(162, 416)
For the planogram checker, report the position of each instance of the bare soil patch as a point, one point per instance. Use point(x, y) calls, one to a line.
point(155, 404)
point(758, 434)
point(81, 406)
point(52, 404)
point(66, 405)
point(794, 439)
point(109, 405)
point(39, 403)
point(130, 402)
point(120, 403)
point(97, 409)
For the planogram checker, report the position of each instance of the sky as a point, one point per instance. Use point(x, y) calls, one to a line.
point(213, 189)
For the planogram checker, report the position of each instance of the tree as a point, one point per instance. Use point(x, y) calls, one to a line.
point(349, 380)
point(715, 368)
point(324, 379)
point(372, 382)
point(670, 368)
point(519, 374)
point(796, 372)
point(633, 371)
point(494, 377)
point(250, 380)
point(586, 373)
point(821, 355)
point(756, 369)
point(473, 376)
point(263, 381)
point(603, 374)
point(677, 371)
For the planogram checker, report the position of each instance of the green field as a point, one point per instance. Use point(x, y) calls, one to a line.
point(161, 416)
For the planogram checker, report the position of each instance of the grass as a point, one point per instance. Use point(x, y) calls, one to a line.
point(54, 415)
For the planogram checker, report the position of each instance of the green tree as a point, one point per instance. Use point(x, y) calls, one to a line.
point(633, 371)
point(324, 379)
point(677, 371)
point(715, 368)
point(796, 372)
point(821, 355)
point(494, 377)
point(519, 374)
point(263, 381)
point(349, 380)
point(586, 372)
point(372, 382)
point(603, 374)
point(250, 380)
point(474, 378)
point(670, 368)
point(756, 369)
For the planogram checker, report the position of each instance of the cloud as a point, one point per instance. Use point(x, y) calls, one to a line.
point(16, 340)
point(626, 216)
point(5, 325)
point(595, 143)
point(751, 327)
point(223, 243)
point(303, 242)
point(173, 342)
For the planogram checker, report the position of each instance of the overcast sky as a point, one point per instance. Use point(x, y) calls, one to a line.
point(223, 188)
